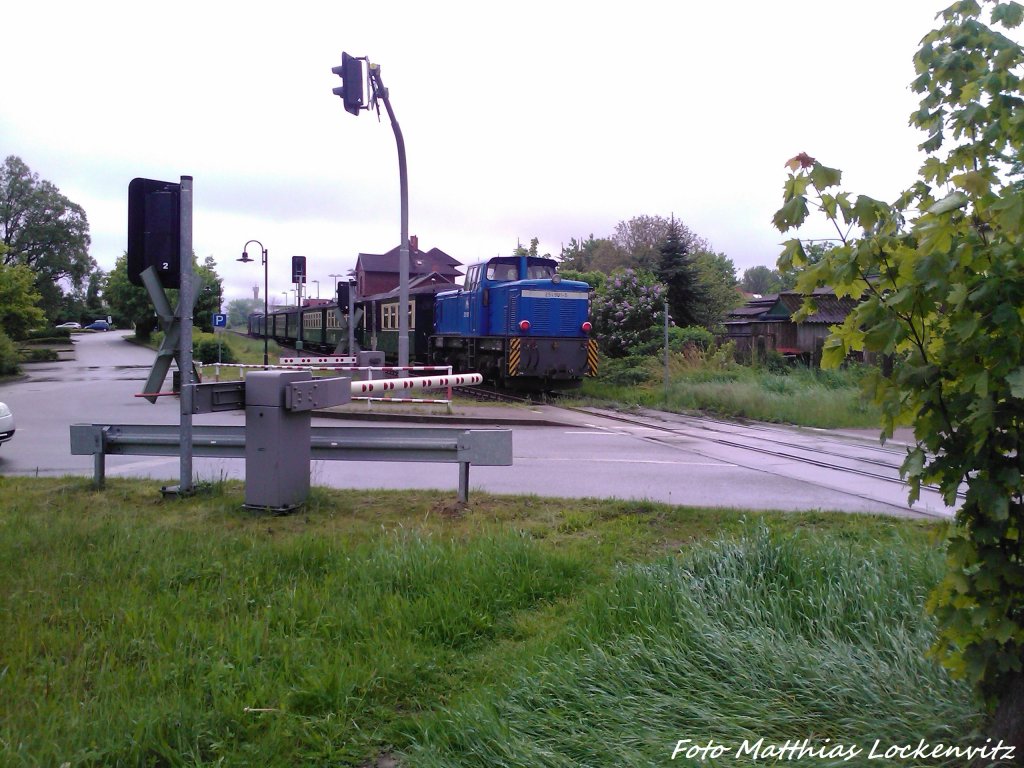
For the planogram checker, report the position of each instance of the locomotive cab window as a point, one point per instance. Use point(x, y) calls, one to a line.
point(503, 270)
point(540, 271)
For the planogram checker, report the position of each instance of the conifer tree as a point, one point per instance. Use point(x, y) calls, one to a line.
point(678, 271)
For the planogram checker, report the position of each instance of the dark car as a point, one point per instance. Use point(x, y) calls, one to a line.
point(98, 325)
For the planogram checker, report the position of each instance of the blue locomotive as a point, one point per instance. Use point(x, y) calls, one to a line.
point(516, 321)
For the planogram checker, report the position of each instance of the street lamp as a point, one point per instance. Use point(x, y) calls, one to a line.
point(266, 295)
point(317, 287)
point(285, 294)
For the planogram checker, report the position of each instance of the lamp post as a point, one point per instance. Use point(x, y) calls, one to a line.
point(266, 295)
point(285, 294)
point(317, 287)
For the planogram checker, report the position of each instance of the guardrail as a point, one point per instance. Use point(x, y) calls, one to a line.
point(482, 447)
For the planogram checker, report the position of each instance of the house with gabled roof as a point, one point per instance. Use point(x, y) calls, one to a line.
point(377, 273)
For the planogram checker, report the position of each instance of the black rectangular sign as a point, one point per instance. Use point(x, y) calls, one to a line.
point(154, 230)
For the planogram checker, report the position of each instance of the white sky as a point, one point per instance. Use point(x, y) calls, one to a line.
point(548, 119)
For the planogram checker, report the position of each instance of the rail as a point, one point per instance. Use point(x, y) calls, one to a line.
point(482, 447)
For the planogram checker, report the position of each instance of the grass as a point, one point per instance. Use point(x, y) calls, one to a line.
point(830, 399)
point(512, 631)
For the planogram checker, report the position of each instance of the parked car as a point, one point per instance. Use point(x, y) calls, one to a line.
point(6, 423)
point(98, 325)
point(71, 326)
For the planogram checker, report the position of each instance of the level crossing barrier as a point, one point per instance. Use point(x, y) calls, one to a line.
point(369, 371)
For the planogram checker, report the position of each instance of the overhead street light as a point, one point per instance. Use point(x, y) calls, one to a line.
point(266, 294)
point(317, 287)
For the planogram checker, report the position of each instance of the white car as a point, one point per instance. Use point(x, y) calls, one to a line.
point(6, 423)
point(72, 325)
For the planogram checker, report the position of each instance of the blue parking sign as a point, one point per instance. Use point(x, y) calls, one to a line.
point(220, 320)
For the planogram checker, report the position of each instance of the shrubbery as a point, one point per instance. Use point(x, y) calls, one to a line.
point(205, 349)
point(8, 356)
point(628, 312)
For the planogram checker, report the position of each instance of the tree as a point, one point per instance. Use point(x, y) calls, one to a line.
point(941, 278)
point(716, 288)
point(586, 255)
point(628, 311)
point(240, 309)
point(210, 293)
point(19, 311)
point(43, 231)
point(640, 239)
point(522, 250)
point(761, 280)
point(130, 304)
point(677, 271)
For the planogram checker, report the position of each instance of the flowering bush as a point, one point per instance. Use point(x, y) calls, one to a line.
point(628, 311)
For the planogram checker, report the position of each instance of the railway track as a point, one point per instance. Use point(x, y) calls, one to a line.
point(485, 393)
point(788, 446)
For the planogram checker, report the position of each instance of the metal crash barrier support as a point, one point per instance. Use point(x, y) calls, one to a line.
point(482, 447)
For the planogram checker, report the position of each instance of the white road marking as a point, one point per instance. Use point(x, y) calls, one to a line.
point(628, 461)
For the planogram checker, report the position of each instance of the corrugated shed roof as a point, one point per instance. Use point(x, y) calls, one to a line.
point(780, 307)
point(829, 309)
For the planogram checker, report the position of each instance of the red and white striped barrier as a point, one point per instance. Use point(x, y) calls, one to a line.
point(374, 385)
point(424, 382)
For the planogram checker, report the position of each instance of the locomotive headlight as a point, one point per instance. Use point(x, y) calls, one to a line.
point(524, 325)
point(587, 327)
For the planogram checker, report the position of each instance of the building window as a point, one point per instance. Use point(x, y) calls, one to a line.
point(389, 317)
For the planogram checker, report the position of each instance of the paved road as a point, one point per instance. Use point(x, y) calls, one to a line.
point(557, 453)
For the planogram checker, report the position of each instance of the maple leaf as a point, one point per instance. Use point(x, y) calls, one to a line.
point(803, 160)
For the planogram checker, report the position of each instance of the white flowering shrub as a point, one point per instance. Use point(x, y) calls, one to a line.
point(628, 311)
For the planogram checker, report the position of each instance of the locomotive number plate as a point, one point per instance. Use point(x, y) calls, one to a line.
point(555, 295)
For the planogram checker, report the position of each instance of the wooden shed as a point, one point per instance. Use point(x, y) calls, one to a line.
point(766, 324)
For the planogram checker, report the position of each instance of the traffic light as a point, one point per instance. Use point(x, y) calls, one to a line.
point(352, 90)
point(298, 269)
point(154, 230)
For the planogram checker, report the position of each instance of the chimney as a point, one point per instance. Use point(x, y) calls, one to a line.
point(414, 243)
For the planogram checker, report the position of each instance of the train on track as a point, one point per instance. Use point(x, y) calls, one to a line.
point(514, 319)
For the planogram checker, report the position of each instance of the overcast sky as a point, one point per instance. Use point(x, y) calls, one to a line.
point(548, 119)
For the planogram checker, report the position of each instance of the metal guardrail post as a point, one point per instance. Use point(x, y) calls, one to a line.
point(464, 482)
point(99, 462)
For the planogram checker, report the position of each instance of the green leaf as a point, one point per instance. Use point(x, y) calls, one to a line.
point(791, 214)
point(866, 211)
point(1010, 15)
point(957, 296)
point(950, 202)
point(1009, 212)
point(823, 176)
point(1016, 382)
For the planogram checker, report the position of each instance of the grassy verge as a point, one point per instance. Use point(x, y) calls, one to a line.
point(807, 397)
point(514, 631)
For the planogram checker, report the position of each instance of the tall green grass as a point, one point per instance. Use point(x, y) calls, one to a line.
point(796, 395)
point(513, 631)
point(761, 637)
point(128, 644)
